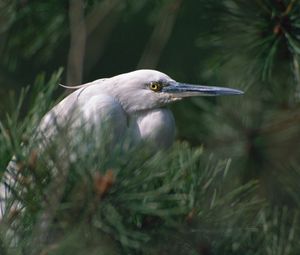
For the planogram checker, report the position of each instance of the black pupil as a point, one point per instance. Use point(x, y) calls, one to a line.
point(155, 86)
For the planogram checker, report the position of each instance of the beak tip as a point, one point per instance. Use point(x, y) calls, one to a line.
point(230, 91)
point(240, 92)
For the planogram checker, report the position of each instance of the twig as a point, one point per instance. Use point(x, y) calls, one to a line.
point(100, 23)
point(77, 42)
point(160, 35)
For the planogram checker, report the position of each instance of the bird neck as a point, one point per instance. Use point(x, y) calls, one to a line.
point(155, 126)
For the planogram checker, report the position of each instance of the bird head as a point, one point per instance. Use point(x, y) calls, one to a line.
point(148, 89)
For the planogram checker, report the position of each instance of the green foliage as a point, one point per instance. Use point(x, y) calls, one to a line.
point(260, 36)
point(247, 46)
point(31, 29)
point(183, 201)
point(18, 130)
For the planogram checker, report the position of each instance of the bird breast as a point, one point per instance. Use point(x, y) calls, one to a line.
point(156, 127)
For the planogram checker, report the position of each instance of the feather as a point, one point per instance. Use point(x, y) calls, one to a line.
point(82, 85)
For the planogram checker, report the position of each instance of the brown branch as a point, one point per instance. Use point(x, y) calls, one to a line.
point(289, 8)
point(100, 12)
point(100, 24)
point(77, 42)
point(160, 35)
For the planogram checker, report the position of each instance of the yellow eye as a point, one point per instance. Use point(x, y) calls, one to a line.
point(155, 86)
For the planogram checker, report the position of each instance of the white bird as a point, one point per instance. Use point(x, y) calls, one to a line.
point(130, 105)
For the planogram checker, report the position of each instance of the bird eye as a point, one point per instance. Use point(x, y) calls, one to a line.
point(155, 86)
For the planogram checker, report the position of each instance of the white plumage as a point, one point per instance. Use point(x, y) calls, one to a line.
point(133, 103)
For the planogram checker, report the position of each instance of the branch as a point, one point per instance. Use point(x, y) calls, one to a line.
point(100, 23)
point(160, 35)
point(77, 42)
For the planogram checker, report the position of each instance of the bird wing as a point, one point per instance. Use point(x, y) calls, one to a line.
point(100, 113)
point(105, 114)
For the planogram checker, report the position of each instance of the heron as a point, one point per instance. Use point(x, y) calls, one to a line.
point(132, 104)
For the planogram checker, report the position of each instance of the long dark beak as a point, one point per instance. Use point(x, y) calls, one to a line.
point(189, 90)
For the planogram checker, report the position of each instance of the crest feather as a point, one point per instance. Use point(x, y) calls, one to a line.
point(82, 85)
